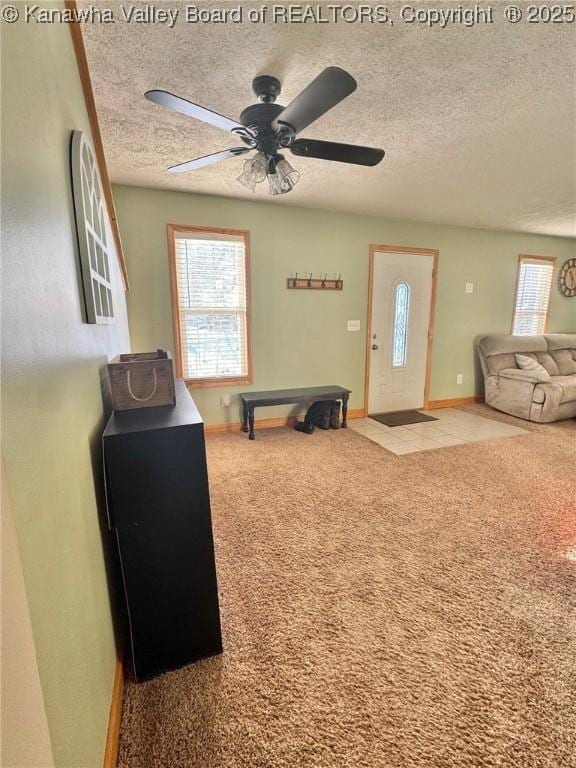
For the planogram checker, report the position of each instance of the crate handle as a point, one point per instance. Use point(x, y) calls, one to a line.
point(151, 395)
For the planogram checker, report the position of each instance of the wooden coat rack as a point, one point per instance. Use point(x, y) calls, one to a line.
point(316, 283)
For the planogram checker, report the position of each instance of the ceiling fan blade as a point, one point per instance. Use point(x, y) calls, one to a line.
point(342, 153)
point(185, 107)
point(216, 157)
point(324, 92)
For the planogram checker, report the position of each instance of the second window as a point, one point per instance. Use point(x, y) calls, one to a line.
point(210, 290)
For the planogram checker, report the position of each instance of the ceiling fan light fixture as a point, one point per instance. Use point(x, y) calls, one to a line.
point(253, 172)
point(247, 181)
point(282, 177)
point(275, 183)
point(289, 176)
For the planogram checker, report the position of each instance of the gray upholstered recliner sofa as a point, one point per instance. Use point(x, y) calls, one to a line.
point(522, 393)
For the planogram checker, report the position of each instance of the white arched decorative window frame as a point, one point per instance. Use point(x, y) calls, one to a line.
point(93, 229)
point(400, 324)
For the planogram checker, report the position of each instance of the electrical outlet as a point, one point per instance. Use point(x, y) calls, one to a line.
point(459, 378)
point(353, 325)
point(225, 400)
point(469, 288)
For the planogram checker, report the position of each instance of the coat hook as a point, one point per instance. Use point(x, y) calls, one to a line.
point(309, 281)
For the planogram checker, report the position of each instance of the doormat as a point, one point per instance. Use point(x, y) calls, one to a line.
point(400, 418)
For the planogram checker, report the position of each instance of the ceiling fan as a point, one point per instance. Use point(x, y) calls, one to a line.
point(268, 127)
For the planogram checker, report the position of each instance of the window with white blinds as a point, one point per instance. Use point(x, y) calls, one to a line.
point(532, 295)
point(210, 274)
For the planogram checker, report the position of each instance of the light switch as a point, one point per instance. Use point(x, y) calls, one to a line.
point(353, 325)
point(469, 288)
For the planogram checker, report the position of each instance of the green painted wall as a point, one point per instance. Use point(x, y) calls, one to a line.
point(51, 398)
point(300, 337)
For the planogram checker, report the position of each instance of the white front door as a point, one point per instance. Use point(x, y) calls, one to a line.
point(401, 296)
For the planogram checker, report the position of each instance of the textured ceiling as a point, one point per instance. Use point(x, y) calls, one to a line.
point(479, 124)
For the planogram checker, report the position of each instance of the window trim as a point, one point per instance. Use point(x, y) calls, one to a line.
point(220, 381)
point(525, 257)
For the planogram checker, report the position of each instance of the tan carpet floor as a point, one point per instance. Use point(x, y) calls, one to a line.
point(380, 611)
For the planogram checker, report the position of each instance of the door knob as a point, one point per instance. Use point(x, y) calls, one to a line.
point(374, 346)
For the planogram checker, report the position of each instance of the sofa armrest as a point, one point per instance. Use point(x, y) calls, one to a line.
point(519, 374)
point(513, 394)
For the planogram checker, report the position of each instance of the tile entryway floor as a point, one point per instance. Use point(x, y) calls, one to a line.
point(453, 427)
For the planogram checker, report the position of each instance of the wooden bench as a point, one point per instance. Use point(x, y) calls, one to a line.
point(306, 395)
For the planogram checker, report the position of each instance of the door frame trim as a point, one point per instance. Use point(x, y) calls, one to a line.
point(435, 254)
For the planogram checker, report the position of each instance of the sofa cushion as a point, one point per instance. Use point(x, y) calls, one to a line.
point(528, 363)
point(565, 360)
point(517, 374)
point(546, 361)
point(560, 341)
point(562, 347)
point(496, 363)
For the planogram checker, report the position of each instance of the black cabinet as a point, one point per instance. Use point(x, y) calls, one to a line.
point(159, 511)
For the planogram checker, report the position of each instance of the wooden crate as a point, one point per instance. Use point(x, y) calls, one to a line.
point(141, 380)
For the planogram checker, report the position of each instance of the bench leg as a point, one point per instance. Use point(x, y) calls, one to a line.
point(245, 418)
point(344, 411)
point(251, 436)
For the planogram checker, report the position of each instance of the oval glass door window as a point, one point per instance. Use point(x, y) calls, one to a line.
point(400, 335)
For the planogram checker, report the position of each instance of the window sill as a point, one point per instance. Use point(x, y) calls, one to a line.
point(220, 382)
